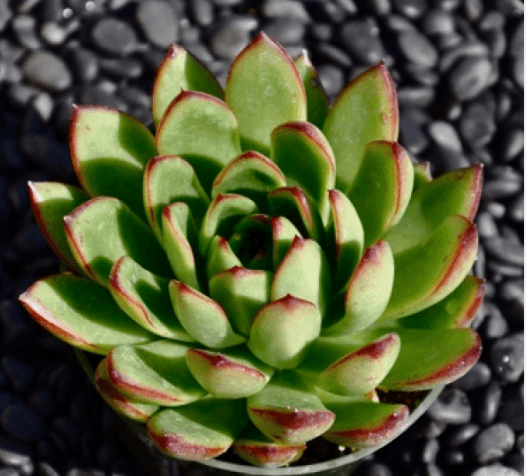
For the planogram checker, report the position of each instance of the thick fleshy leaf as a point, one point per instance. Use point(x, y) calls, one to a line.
point(180, 239)
point(382, 188)
point(241, 292)
point(179, 71)
point(144, 297)
point(365, 111)
point(251, 174)
point(283, 234)
point(345, 233)
point(362, 424)
point(422, 174)
point(224, 212)
point(428, 272)
point(304, 273)
point(203, 130)
point(456, 310)
point(154, 373)
point(264, 90)
point(282, 331)
point(138, 411)
point(454, 193)
point(317, 102)
point(189, 433)
point(432, 357)
point(346, 366)
point(367, 292)
point(102, 230)
point(50, 202)
point(169, 179)
point(203, 318)
point(234, 373)
point(259, 450)
point(220, 257)
point(81, 313)
point(109, 150)
point(305, 157)
point(293, 203)
point(287, 410)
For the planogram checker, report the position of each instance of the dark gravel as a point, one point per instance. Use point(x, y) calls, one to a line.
point(459, 69)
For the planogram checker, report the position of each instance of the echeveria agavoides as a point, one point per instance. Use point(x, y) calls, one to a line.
point(255, 269)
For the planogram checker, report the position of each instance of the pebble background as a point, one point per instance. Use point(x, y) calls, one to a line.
point(459, 68)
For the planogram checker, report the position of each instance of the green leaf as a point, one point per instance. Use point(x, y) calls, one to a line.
point(345, 233)
point(224, 212)
point(283, 234)
point(454, 193)
point(303, 154)
point(50, 202)
point(382, 188)
point(367, 292)
point(422, 173)
point(264, 90)
point(189, 433)
point(154, 373)
point(203, 318)
point(365, 111)
point(179, 71)
point(220, 257)
point(169, 179)
point(259, 450)
point(109, 150)
point(81, 313)
point(241, 292)
point(432, 357)
point(317, 102)
point(138, 411)
point(252, 175)
point(180, 239)
point(288, 411)
point(282, 331)
point(430, 271)
point(203, 130)
point(144, 297)
point(304, 273)
point(102, 230)
point(235, 373)
point(456, 310)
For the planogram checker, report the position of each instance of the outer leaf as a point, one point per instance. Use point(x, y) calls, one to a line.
point(202, 317)
point(382, 188)
point(365, 111)
point(50, 202)
point(287, 411)
point(303, 273)
point(169, 179)
point(422, 173)
point(317, 102)
point(282, 331)
point(138, 411)
point(179, 71)
point(454, 193)
point(264, 90)
point(203, 130)
point(109, 150)
point(257, 449)
point(81, 313)
point(283, 234)
point(145, 298)
point(432, 357)
point(102, 230)
point(441, 264)
point(241, 292)
point(154, 373)
point(189, 433)
point(220, 257)
point(235, 373)
point(456, 310)
point(367, 292)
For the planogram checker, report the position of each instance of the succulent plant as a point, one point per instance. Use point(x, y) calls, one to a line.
point(262, 268)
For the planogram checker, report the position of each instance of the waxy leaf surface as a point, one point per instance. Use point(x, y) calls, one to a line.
point(220, 257)
point(283, 234)
point(422, 175)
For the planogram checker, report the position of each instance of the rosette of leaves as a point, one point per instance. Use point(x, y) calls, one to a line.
point(255, 269)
